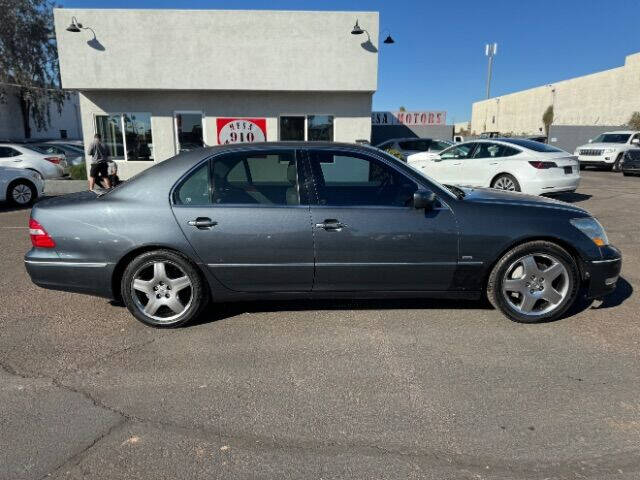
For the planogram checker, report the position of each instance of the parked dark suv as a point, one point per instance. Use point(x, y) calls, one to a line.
point(314, 220)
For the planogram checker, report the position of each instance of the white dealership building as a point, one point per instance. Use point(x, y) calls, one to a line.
point(155, 82)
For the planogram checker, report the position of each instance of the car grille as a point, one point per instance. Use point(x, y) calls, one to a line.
point(591, 152)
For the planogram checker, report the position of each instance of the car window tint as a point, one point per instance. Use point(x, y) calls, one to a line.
point(255, 179)
point(353, 180)
point(5, 152)
point(195, 189)
point(437, 146)
point(418, 145)
point(494, 150)
point(459, 151)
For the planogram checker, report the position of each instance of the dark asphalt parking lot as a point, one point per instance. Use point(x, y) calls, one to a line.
point(403, 389)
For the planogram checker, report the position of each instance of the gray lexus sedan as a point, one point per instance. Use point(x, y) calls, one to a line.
point(314, 220)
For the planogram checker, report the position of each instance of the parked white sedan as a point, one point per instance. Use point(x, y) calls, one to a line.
point(508, 164)
point(17, 155)
point(19, 186)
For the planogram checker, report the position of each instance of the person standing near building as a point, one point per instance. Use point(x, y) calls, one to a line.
point(99, 163)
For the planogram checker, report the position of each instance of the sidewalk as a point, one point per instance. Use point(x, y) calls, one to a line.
point(62, 187)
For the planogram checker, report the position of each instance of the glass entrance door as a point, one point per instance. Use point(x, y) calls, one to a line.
point(189, 130)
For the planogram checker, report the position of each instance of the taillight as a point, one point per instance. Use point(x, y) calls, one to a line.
point(55, 160)
point(542, 165)
point(39, 236)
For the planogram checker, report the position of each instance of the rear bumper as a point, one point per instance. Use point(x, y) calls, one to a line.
point(603, 274)
point(556, 184)
point(92, 278)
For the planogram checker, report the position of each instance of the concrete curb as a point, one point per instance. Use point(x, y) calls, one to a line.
point(62, 187)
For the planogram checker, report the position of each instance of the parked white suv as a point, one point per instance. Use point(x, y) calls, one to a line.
point(608, 149)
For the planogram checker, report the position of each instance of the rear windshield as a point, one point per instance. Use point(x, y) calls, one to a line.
point(530, 144)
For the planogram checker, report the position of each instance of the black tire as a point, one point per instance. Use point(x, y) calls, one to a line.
point(616, 167)
point(21, 185)
point(199, 290)
point(582, 167)
point(508, 177)
point(627, 174)
point(497, 298)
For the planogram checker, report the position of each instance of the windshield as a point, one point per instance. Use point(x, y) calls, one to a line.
point(612, 138)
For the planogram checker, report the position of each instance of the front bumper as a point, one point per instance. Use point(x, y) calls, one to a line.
point(592, 160)
point(602, 274)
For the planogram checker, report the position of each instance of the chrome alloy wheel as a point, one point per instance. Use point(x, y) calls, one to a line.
point(161, 290)
point(21, 194)
point(505, 183)
point(535, 284)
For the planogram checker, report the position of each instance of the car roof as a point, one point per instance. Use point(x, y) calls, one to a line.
point(621, 131)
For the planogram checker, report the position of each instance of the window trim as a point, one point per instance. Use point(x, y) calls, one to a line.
point(124, 137)
point(306, 125)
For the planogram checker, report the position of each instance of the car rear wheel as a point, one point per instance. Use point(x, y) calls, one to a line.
point(506, 182)
point(534, 282)
point(22, 193)
point(163, 289)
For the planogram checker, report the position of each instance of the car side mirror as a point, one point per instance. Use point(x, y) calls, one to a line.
point(635, 141)
point(424, 199)
point(590, 140)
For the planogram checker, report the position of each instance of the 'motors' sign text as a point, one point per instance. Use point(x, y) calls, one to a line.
point(409, 118)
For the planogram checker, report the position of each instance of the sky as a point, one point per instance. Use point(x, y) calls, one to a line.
point(438, 61)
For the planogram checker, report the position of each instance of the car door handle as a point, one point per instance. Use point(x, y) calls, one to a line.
point(493, 163)
point(202, 223)
point(458, 163)
point(331, 224)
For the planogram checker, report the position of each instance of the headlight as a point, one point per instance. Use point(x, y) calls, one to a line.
point(592, 229)
point(609, 150)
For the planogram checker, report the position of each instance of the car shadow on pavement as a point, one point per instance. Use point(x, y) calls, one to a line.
point(623, 291)
point(6, 207)
point(222, 311)
point(572, 197)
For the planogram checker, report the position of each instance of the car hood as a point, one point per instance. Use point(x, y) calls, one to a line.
point(493, 196)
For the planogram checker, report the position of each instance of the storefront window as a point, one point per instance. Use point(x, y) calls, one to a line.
point(137, 127)
point(292, 128)
point(320, 127)
point(189, 129)
point(136, 140)
point(110, 129)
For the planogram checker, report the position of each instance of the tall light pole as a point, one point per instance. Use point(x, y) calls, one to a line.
point(490, 50)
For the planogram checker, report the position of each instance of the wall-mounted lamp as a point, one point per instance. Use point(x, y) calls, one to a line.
point(358, 30)
point(75, 26)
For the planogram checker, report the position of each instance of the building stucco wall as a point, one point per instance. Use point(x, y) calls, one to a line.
point(67, 119)
point(603, 98)
point(217, 50)
point(351, 110)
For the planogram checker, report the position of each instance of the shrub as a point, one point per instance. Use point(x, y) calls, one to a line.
point(78, 172)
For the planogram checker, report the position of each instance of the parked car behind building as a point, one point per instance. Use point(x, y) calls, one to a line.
point(29, 157)
point(514, 164)
point(607, 149)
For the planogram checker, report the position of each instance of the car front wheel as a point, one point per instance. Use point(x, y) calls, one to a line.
point(534, 282)
point(163, 289)
point(22, 193)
